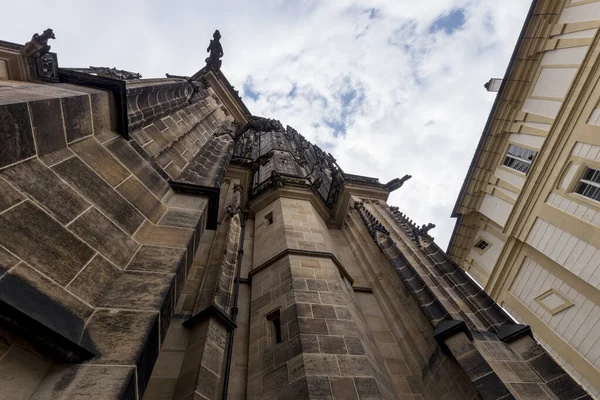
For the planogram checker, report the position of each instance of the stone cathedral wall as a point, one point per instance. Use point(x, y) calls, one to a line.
point(95, 246)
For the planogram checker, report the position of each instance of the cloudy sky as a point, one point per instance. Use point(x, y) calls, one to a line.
point(389, 87)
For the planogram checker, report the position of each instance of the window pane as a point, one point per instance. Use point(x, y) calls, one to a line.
point(589, 184)
point(518, 158)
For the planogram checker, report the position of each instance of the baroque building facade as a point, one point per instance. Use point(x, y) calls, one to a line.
point(158, 241)
point(528, 217)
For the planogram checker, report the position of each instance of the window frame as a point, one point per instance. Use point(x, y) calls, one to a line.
point(523, 160)
point(580, 180)
point(477, 241)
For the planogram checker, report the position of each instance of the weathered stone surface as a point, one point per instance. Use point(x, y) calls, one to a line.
point(48, 129)
point(20, 373)
point(318, 387)
point(332, 345)
point(100, 194)
point(44, 186)
point(100, 160)
point(323, 311)
point(106, 237)
point(142, 199)
point(16, 134)
point(295, 391)
point(188, 201)
point(7, 260)
point(103, 119)
point(44, 302)
point(275, 379)
point(158, 235)
point(82, 382)
point(51, 290)
point(343, 388)
point(367, 388)
point(8, 195)
point(355, 366)
point(57, 156)
point(320, 364)
point(157, 259)
point(137, 290)
point(138, 166)
point(121, 336)
point(36, 238)
point(91, 283)
point(181, 218)
point(78, 116)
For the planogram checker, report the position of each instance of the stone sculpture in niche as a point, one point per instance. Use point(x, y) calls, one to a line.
point(213, 61)
point(38, 45)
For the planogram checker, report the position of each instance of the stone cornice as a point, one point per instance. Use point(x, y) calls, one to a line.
point(304, 253)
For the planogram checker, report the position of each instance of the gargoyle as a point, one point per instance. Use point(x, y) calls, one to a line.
point(397, 183)
point(38, 45)
point(424, 229)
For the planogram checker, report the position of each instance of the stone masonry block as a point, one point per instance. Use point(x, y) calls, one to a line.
point(44, 186)
point(39, 240)
point(142, 199)
point(332, 345)
point(275, 379)
point(137, 290)
point(91, 283)
point(98, 192)
point(100, 160)
point(20, 373)
point(343, 388)
point(103, 235)
point(312, 326)
point(16, 134)
point(48, 128)
point(321, 364)
point(78, 116)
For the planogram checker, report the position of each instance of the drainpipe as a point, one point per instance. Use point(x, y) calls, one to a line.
point(234, 308)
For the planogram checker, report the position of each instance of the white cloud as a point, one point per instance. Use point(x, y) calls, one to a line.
point(422, 104)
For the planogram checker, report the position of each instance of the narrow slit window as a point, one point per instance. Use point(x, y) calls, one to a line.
point(275, 325)
point(589, 184)
point(269, 218)
point(519, 158)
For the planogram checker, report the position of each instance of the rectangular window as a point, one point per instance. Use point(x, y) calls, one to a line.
point(482, 244)
point(518, 158)
point(269, 218)
point(275, 326)
point(589, 184)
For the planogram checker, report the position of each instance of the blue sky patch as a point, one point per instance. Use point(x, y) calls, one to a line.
point(450, 22)
point(249, 90)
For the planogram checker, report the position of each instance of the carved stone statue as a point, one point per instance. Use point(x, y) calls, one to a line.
point(38, 45)
point(213, 61)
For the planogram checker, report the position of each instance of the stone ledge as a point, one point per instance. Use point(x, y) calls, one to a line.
point(511, 332)
point(41, 335)
point(212, 193)
point(211, 311)
point(306, 253)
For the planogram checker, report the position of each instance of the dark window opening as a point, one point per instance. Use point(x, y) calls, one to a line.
point(269, 218)
point(275, 323)
point(589, 184)
point(482, 245)
point(518, 158)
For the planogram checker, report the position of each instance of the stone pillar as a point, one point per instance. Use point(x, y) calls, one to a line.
point(308, 337)
point(203, 363)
